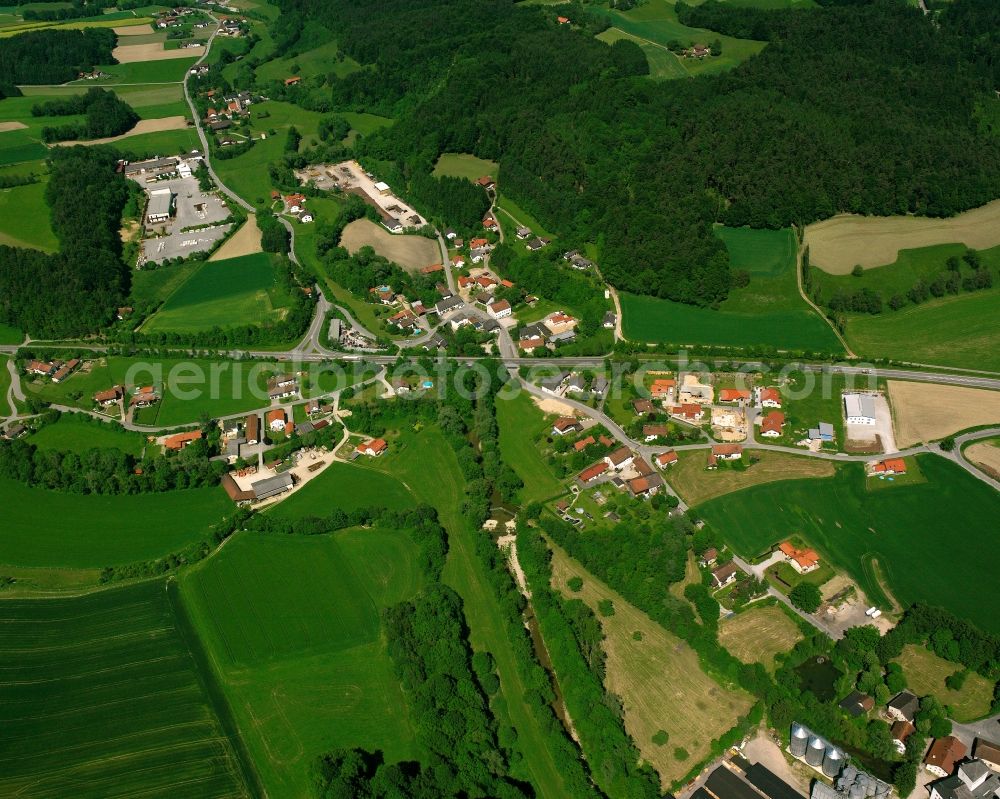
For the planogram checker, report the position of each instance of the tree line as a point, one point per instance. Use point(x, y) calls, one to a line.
point(54, 56)
point(105, 114)
point(876, 115)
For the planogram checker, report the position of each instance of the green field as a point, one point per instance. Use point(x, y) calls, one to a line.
point(155, 285)
point(768, 312)
point(190, 387)
point(52, 528)
point(17, 146)
point(149, 101)
point(102, 697)
point(920, 534)
point(170, 70)
point(926, 674)
point(10, 335)
point(292, 624)
point(663, 65)
point(233, 292)
point(954, 330)
point(322, 60)
point(161, 143)
point(345, 487)
point(656, 22)
point(464, 165)
point(72, 434)
point(521, 422)
point(24, 218)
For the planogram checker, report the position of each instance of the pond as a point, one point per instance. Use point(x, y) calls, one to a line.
point(818, 675)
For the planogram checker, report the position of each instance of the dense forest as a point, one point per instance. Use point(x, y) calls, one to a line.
point(77, 289)
point(105, 114)
point(54, 56)
point(868, 108)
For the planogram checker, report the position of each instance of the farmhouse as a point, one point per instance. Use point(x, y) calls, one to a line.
point(272, 486)
point(665, 459)
point(160, 207)
point(725, 452)
point(901, 730)
point(724, 575)
point(295, 80)
point(733, 395)
point(620, 458)
point(566, 424)
point(651, 432)
point(802, 560)
point(972, 780)
point(943, 755)
point(486, 182)
point(276, 420)
point(458, 261)
point(689, 412)
point(890, 466)
point(903, 707)
point(859, 409)
point(988, 752)
point(490, 223)
point(771, 424)
point(768, 398)
point(110, 397)
point(251, 429)
point(592, 472)
point(43, 368)
point(240, 496)
point(181, 440)
point(373, 448)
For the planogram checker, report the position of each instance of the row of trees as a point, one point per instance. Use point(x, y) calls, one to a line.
point(105, 114)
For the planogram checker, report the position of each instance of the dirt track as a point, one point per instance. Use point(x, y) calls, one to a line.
point(142, 126)
point(133, 53)
point(410, 252)
point(245, 241)
point(836, 245)
point(925, 412)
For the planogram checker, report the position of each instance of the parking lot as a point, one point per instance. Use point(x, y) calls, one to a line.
point(193, 208)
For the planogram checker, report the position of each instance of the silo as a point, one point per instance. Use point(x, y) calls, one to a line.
point(870, 788)
point(833, 761)
point(849, 774)
point(799, 740)
point(882, 790)
point(815, 751)
point(856, 792)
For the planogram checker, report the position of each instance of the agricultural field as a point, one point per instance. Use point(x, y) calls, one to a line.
point(18, 145)
point(128, 52)
point(98, 536)
point(919, 534)
point(149, 101)
point(521, 421)
point(346, 487)
point(926, 674)
point(144, 127)
point(759, 634)
point(768, 312)
point(986, 455)
point(916, 410)
point(171, 70)
point(836, 245)
point(656, 22)
point(409, 251)
point(102, 697)
point(695, 485)
point(12, 27)
point(72, 434)
point(24, 217)
point(245, 241)
point(155, 285)
point(166, 142)
point(663, 65)
point(659, 678)
point(292, 625)
point(228, 293)
point(464, 165)
point(10, 335)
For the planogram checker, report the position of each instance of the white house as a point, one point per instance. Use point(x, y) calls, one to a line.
point(500, 310)
point(859, 408)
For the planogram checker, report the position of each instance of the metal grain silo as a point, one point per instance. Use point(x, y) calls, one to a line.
point(815, 751)
point(856, 792)
point(833, 761)
point(799, 740)
point(882, 790)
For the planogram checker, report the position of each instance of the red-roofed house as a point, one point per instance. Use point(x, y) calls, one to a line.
point(373, 448)
point(665, 459)
point(733, 395)
point(566, 424)
point(562, 20)
point(769, 397)
point(689, 412)
point(276, 419)
point(802, 560)
point(943, 755)
point(771, 424)
point(499, 310)
point(181, 440)
point(111, 396)
point(490, 223)
point(592, 472)
point(458, 261)
point(293, 81)
point(530, 344)
point(662, 388)
point(430, 270)
point(486, 182)
point(583, 443)
point(727, 452)
point(477, 243)
point(890, 466)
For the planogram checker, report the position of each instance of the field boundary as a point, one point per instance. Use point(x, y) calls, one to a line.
point(802, 291)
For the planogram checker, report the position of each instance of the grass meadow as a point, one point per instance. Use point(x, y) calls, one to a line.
point(926, 673)
point(521, 422)
point(345, 487)
point(464, 165)
point(24, 217)
point(71, 434)
point(4, 386)
point(769, 312)
point(323, 60)
point(663, 65)
point(10, 335)
point(658, 678)
point(293, 628)
point(101, 697)
point(758, 634)
point(171, 70)
point(656, 22)
point(155, 285)
point(105, 530)
point(236, 291)
point(919, 534)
